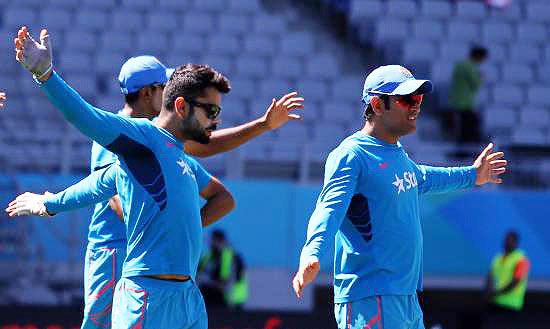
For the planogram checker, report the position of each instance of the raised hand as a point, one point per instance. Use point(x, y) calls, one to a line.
point(28, 204)
point(306, 274)
point(2, 99)
point(34, 56)
point(490, 165)
point(278, 112)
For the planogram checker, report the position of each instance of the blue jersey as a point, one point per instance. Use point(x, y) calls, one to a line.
point(98, 186)
point(105, 229)
point(369, 205)
point(158, 185)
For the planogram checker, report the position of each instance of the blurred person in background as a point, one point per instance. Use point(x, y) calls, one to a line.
point(369, 206)
point(2, 99)
point(465, 83)
point(223, 273)
point(507, 281)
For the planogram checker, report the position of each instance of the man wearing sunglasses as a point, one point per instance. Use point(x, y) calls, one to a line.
point(158, 182)
point(142, 80)
point(369, 206)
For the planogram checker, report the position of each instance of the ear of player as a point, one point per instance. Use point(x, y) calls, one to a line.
point(35, 56)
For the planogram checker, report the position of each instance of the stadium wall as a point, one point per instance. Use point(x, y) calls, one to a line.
point(462, 231)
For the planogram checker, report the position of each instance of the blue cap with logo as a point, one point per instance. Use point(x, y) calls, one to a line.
point(141, 71)
point(393, 80)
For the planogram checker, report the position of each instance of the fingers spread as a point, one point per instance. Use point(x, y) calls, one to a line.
point(294, 117)
point(498, 163)
point(294, 106)
point(498, 171)
point(495, 156)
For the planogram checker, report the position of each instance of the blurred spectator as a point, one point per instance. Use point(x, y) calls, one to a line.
point(223, 281)
point(465, 84)
point(507, 281)
point(2, 99)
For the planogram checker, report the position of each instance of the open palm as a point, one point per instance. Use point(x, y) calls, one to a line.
point(490, 165)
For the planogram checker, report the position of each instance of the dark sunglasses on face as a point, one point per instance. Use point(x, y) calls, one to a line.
point(409, 100)
point(212, 110)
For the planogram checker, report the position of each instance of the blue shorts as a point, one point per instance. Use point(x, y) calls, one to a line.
point(148, 303)
point(380, 312)
point(102, 269)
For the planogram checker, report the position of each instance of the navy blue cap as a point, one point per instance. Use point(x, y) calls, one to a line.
point(393, 80)
point(141, 71)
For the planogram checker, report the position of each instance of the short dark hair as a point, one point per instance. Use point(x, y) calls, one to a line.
point(190, 81)
point(131, 98)
point(478, 52)
point(368, 114)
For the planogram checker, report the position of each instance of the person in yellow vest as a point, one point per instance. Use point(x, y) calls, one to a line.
point(507, 281)
point(223, 279)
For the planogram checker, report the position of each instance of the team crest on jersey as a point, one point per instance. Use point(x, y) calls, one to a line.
point(406, 183)
point(186, 170)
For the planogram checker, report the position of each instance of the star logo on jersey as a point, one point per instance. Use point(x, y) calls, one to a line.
point(399, 184)
point(185, 167)
point(406, 183)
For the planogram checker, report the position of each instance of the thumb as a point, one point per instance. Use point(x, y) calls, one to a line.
point(487, 149)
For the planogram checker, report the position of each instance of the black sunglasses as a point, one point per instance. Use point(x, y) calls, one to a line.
point(212, 110)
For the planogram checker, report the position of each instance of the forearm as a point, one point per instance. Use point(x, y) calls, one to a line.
point(74, 197)
point(99, 125)
point(442, 180)
point(227, 139)
point(116, 206)
point(97, 187)
point(216, 207)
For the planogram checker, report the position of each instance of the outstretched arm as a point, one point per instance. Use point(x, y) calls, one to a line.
point(98, 186)
point(341, 173)
point(487, 168)
point(101, 126)
point(277, 115)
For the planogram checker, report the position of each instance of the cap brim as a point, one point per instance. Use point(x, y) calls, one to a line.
point(169, 73)
point(414, 86)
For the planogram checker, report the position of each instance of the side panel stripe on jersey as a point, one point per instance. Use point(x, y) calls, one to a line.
point(359, 215)
point(143, 165)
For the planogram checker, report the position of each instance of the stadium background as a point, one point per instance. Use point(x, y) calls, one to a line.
point(322, 49)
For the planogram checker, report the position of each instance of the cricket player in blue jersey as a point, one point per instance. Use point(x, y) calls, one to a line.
point(157, 187)
point(142, 80)
point(369, 207)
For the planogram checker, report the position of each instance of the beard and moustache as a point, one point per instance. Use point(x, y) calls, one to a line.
point(192, 129)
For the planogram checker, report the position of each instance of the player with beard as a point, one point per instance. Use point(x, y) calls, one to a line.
point(142, 80)
point(158, 186)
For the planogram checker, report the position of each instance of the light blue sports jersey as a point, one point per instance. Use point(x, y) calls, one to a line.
point(100, 185)
point(105, 227)
point(158, 185)
point(369, 203)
